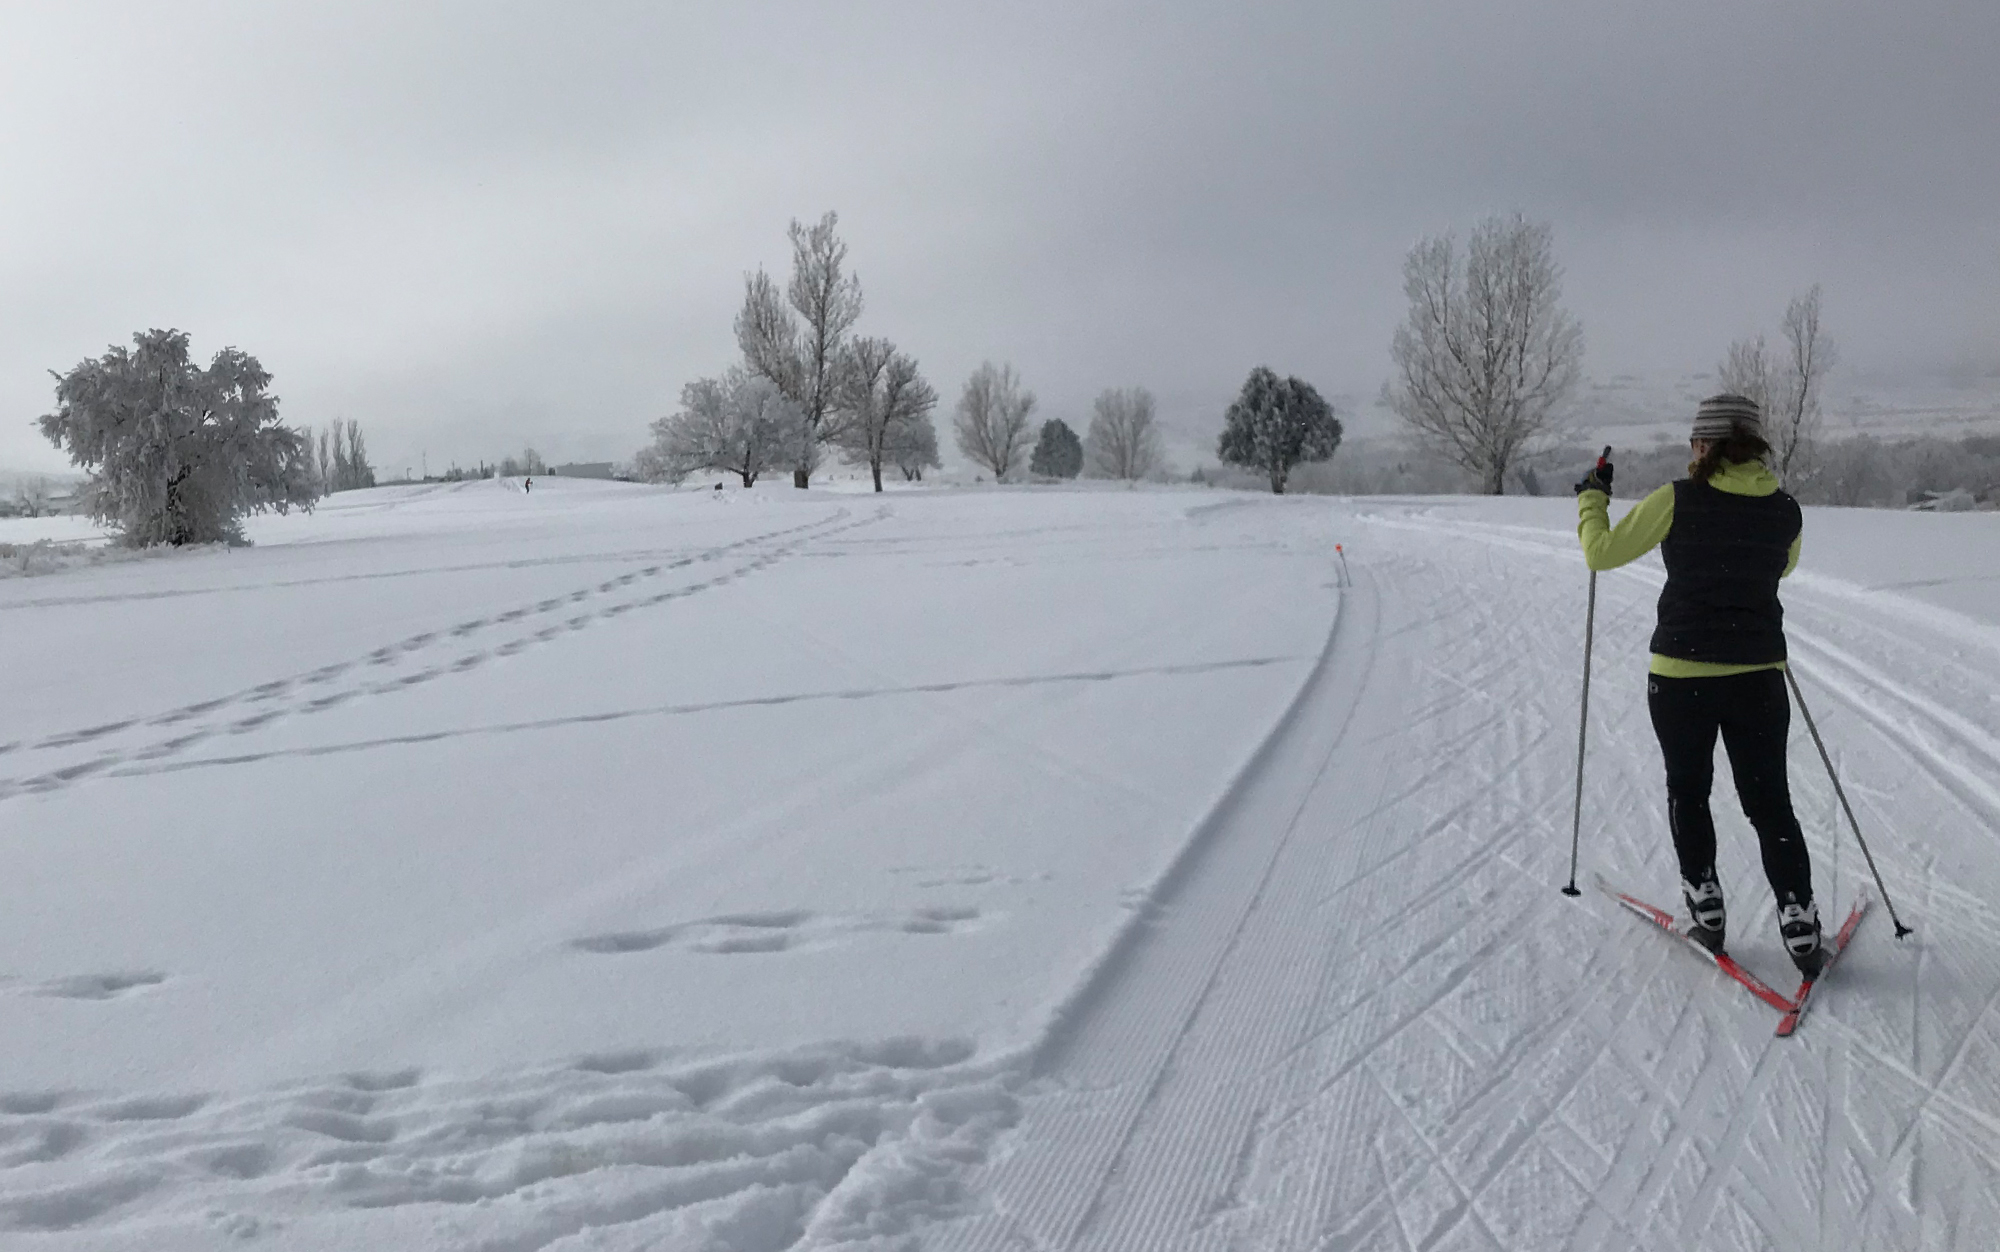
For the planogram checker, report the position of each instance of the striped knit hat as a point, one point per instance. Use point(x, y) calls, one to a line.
point(1722, 416)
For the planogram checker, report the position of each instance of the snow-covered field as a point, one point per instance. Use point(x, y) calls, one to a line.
point(620, 868)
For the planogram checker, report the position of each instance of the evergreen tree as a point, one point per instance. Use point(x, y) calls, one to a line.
point(1277, 423)
point(1058, 452)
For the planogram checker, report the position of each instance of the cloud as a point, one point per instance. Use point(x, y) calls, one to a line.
point(472, 227)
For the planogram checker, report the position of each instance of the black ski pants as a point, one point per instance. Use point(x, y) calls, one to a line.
point(1753, 713)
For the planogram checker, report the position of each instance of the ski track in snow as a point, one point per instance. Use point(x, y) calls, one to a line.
point(1352, 1013)
point(1364, 1018)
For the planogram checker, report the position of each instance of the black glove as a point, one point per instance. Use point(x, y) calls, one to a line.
point(1599, 478)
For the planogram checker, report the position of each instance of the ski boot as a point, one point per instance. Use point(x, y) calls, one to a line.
point(1704, 901)
point(1799, 925)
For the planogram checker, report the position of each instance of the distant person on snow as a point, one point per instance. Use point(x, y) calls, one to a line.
point(1727, 533)
point(527, 485)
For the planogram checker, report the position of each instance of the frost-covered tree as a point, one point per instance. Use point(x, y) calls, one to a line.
point(1747, 369)
point(1123, 440)
point(357, 472)
point(526, 465)
point(912, 447)
point(737, 424)
point(1276, 423)
point(881, 392)
point(1787, 386)
point(177, 454)
point(32, 498)
point(1487, 356)
point(338, 459)
point(313, 461)
point(1058, 452)
point(992, 421)
point(796, 341)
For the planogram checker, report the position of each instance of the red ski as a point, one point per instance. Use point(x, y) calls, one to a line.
point(1790, 1021)
point(1721, 960)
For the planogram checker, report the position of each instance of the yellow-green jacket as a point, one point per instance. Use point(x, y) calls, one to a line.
point(1640, 531)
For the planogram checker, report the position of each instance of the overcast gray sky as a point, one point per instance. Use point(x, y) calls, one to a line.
point(472, 226)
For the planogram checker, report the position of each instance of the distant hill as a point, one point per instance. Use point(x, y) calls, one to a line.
point(1629, 409)
point(11, 479)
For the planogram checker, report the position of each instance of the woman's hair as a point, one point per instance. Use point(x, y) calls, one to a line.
point(1738, 447)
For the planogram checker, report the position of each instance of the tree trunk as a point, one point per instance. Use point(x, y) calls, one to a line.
point(1278, 477)
point(1495, 483)
point(801, 478)
point(749, 480)
point(876, 466)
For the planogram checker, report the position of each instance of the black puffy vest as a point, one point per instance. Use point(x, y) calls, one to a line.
point(1725, 554)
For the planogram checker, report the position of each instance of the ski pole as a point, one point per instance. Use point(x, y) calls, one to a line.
point(1583, 719)
point(1901, 930)
point(1582, 730)
point(1346, 580)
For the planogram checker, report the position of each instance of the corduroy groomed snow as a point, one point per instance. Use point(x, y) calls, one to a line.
point(1722, 416)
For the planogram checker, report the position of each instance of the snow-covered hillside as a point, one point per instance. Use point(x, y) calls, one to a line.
point(612, 867)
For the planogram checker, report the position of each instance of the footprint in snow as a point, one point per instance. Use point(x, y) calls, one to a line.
point(100, 986)
point(242, 1160)
point(30, 1103)
point(973, 879)
point(967, 875)
point(635, 1061)
point(39, 1142)
point(160, 1108)
point(739, 933)
point(344, 1127)
point(939, 921)
point(385, 1080)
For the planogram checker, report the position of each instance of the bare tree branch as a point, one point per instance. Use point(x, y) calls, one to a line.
point(797, 342)
point(1123, 440)
point(882, 394)
point(992, 420)
point(1487, 356)
point(1787, 386)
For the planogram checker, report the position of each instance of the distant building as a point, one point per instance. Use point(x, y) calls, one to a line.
point(583, 469)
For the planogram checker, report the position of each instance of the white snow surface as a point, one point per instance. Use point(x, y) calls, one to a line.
point(617, 868)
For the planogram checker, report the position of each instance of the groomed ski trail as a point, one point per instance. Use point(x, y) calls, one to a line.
point(1359, 1015)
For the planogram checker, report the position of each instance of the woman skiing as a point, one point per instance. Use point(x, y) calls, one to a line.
point(1727, 533)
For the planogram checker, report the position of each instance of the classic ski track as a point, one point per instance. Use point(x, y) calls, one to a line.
point(1709, 1089)
point(220, 716)
point(1468, 1198)
point(1923, 730)
point(1503, 1070)
point(1050, 1195)
point(1461, 868)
